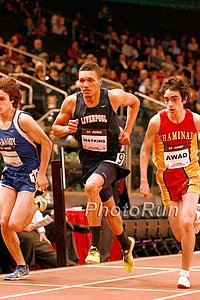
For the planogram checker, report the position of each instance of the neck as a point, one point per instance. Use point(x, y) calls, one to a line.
point(178, 117)
point(92, 101)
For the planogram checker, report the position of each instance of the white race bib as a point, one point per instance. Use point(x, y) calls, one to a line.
point(176, 156)
point(94, 139)
point(11, 158)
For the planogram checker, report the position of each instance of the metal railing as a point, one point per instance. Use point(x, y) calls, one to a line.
point(47, 114)
point(25, 53)
point(40, 82)
point(150, 99)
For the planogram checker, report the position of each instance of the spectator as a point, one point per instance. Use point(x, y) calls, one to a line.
point(58, 24)
point(57, 62)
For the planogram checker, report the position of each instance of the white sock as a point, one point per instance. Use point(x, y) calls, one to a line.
point(184, 273)
point(197, 215)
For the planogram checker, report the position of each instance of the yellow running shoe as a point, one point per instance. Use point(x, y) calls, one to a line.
point(128, 261)
point(93, 256)
point(41, 203)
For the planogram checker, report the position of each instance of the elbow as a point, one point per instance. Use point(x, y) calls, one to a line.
point(48, 144)
point(137, 103)
point(55, 131)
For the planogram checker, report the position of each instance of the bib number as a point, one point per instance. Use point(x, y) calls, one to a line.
point(176, 156)
point(33, 176)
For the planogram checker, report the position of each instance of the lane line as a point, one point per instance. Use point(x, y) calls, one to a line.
point(178, 295)
point(86, 284)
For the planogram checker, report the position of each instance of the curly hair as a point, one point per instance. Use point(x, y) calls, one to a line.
point(10, 86)
point(176, 83)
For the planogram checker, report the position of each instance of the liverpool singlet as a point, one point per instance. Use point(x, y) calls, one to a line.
point(97, 134)
point(175, 156)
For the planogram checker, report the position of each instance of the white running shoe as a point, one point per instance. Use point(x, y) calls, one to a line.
point(183, 282)
point(197, 222)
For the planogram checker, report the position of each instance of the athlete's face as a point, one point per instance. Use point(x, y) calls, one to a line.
point(174, 102)
point(89, 83)
point(5, 103)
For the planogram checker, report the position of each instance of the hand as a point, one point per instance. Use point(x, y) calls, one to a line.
point(41, 182)
point(124, 137)
point(30, 227)
point(73, 125)
point(42, 237)
point(144, 189)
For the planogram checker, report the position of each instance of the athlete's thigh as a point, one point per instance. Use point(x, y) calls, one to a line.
point(7, 201)
point(175, 218)
point(190, 201)
point(22, 208)
point(108, 172)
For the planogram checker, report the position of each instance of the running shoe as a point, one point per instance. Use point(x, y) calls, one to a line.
point(197, 223)
point(183, 282)
point(20, 272)
point(41, 202)
point(93, 256)
point(128, 261)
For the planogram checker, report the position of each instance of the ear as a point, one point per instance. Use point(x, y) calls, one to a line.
point(100, 82)
point(185, 100)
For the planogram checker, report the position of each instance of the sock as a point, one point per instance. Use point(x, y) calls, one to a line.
point(95, 233)
point(124, 241)
point(184, 273)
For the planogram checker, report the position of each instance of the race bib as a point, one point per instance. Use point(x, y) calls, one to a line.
point(11, 158)
point(33, 176)
point(119, 159)
point(94, 139)
point(176, 156)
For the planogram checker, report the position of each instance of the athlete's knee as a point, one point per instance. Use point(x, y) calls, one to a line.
point(187, 224)
point(3, 222)
point(92, 188)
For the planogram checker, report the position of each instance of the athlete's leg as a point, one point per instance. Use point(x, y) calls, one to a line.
point(174, 212)
point(190, 201)
point(22, 212)
point(92, 189)
point(7, 200)
point(113, 216)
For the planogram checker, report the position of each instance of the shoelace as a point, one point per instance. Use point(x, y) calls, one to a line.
point(93, 250)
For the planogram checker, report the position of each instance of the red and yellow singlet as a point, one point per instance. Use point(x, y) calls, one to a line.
point(175, 152)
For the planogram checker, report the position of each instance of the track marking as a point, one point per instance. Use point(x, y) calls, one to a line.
point(178, 295)
point(85, 284)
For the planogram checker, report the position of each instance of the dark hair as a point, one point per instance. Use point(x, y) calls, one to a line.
point(91, 66)
point(176, 83)
point(10, 86)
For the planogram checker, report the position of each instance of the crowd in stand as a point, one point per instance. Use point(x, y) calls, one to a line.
point(137, 61)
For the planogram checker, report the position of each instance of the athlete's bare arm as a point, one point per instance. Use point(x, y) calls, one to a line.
point(120, 98)
point(151, 132)
point(196, 121)
point(64, 124)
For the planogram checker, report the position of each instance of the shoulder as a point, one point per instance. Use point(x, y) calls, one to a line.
point(69, 101)
point(24, 116)
point(26, 122)
point(154, 122)
point(196, 118)
point(116, 93)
